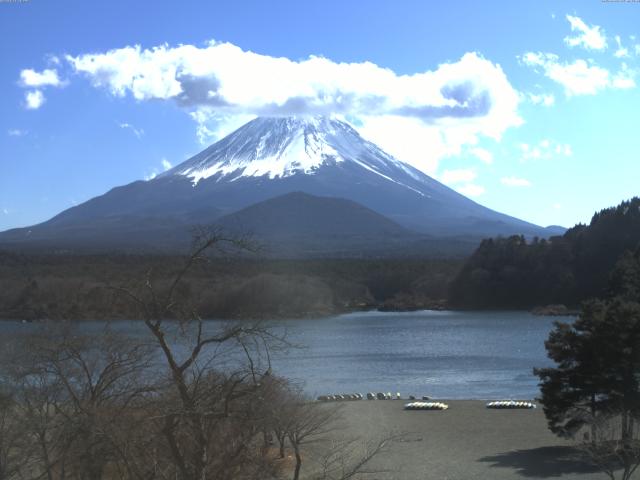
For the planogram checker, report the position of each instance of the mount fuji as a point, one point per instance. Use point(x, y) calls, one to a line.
point(338, 178)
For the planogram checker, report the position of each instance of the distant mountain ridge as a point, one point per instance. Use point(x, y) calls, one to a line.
point(264, 159)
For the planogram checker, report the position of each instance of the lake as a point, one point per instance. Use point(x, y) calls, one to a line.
point(449, 354)
point(455, 355)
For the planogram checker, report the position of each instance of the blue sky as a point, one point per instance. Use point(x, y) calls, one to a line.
point(530, 108)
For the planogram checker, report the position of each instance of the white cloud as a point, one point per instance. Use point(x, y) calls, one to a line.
point(138, 132)
point(564, 150)
point(5, 211)
point(166, 165)
point(471, 190)
point(625, 78)
point(452, 104)
point(34, 99)
point(36, 81)
point(451, 177)
point(16, 132)
point(588, 37)
point(483, 154)
point(577, 78)
point(46, 78)
point(515, 182)
point(580, 76)
point(545, 149)
point(621, 52)
point(544, 99)
point(557, 206)
point(212, 126)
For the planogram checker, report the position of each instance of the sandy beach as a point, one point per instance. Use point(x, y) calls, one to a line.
point(468, 441)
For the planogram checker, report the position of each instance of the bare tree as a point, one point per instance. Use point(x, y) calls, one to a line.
point(210, 420)
point(74, 397)
point(10, 438)
point(313, 431)
point(308, 423)
point(279, 401)
point(39, 401)
point(345, 459)
point(616, 446)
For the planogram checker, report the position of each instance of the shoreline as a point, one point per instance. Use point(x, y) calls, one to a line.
point(303, 316)
point(467, 441)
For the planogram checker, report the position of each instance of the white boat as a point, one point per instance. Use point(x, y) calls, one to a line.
point(511, 404)
point(426, 406)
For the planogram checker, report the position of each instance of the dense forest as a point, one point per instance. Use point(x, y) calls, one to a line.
point(85, 286)
point(516, 273)
point(512, 272)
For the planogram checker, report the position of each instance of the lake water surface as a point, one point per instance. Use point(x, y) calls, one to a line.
point(455, 355)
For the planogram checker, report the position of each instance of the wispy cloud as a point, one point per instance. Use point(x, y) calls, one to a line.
point(580, 77)
point(16, 132)
point(484, 155)
point(544, 99)
point(625, 78)
point(544, 150)
point(452, 177)
point(471, 190)
point(621, 51)
point(166, 165)
point(138, 132)
point(515, 182)
point(588, 37)
point(462, 180)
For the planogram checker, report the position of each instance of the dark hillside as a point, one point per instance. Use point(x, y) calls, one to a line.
point(514, 273)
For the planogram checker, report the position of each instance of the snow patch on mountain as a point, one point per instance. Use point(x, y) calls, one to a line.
point(282, 147)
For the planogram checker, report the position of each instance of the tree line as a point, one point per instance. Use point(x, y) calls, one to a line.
point(76, 287)
point(517, 273)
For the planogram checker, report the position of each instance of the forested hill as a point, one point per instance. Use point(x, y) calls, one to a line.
point(513, 273)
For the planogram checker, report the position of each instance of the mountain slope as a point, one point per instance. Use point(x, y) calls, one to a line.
point(300, 214)
point(299, 225)
point(267, 158)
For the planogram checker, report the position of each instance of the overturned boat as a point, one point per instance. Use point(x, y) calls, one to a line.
point(426, 406)
point(511, 404)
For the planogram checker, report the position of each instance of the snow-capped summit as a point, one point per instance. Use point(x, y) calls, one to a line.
point(279, 147)
point(234, 180)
